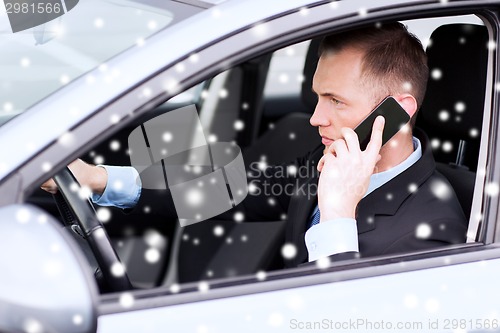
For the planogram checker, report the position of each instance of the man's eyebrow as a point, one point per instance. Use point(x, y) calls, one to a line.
point(328, 95)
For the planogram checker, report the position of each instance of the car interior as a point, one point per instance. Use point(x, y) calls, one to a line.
point(276, 130)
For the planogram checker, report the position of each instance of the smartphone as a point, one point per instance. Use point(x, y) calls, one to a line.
point(395, 118)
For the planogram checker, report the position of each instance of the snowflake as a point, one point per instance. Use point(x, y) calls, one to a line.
point(98, 23)
point(275, 319)
point(218, 231)
point(174, 288)
point(260, 30)
point(98, 159)
point(103, 214)
point(194, 58)
point(152, 25)
point(223, 93)
point(363, 12)
point(114, 119)
point(444, 115)
point(127, 300)
point(84, 192)
point(203, 286)
point(25, 62)
point(8, 106)
point(64, 79)
point(239, 125)
point(152, 255)
point(473, 132)
point(238, 216)
point(167, 137)
point(67, 139)
point(447, 146)
point(432, 305)
point(323, 262)
point(261, 275)
point(460, 107)
point(194, 197)
point(423, 231)
point(435, 143)
point(77, 319)
point(436, 74)
point(412, 187)
point(23, 215)
point(492, 189)
point(46, 166)
point(283, 78)
point(212, 138)
point(289, 251)
point(411, 301)
point(117, 269)
point(154, 239)
point(31, 325)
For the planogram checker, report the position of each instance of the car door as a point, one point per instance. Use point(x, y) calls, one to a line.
point(446, 289)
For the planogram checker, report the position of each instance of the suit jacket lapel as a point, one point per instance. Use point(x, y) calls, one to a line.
point(300, 209)
point(387, 199)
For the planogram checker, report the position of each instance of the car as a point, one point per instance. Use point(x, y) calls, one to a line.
point(78, 86)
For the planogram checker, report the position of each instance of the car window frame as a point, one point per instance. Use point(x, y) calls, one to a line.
point(299, 276)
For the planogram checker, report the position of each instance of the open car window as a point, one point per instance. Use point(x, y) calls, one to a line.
point(246, 106)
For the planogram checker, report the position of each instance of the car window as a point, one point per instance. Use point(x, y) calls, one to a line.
point(160, 252)
point(40, 60)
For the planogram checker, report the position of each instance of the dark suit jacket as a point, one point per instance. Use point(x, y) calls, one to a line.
point(387, 218)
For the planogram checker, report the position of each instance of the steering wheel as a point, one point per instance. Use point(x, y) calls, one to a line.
point(91, 229)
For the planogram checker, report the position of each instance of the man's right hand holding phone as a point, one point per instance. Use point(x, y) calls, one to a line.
point(345, 172)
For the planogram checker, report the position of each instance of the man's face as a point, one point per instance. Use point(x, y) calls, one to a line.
point(343, 101)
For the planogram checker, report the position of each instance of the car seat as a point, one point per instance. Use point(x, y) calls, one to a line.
point(452, 111)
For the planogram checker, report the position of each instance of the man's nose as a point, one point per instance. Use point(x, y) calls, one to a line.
point(319, 117)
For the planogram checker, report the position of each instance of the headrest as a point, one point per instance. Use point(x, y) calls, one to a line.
point(454, 101)
point(308, 97)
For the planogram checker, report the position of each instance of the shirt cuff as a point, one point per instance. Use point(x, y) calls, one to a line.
point(331, 237)
point(123, 188)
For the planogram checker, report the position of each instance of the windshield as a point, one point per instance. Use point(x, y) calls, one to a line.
point(37, 61)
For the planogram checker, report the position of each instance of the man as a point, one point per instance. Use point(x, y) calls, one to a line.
point(385, 199)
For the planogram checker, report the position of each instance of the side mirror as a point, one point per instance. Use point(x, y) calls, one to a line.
point(45, 282)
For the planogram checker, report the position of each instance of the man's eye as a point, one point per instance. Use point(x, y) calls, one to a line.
point(336, 101)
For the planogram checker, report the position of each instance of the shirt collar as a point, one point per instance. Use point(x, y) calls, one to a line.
point(379, 179)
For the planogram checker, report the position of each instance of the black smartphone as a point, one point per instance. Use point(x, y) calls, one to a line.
point(395, 118)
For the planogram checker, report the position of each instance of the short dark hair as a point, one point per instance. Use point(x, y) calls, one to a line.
point(394, 59)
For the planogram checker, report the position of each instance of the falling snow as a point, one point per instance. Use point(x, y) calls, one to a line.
point(127, 300)
point(239, 216)
point(152, 255)
point(218, 231)
point(117, 269)
point(492, 189)
point(31, 325)
point(239, 125)
point(436, 74)
point(103, 214)
point(441, 190)
point(423, 231)
point(203, 286)
point(289, 251)
point(261, 275)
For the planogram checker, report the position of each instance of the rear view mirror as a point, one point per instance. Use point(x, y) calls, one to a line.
point(45, 284)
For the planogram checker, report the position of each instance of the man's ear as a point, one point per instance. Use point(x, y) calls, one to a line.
point(408, 102)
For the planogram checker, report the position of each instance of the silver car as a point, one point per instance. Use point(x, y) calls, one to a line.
point(77, 86)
